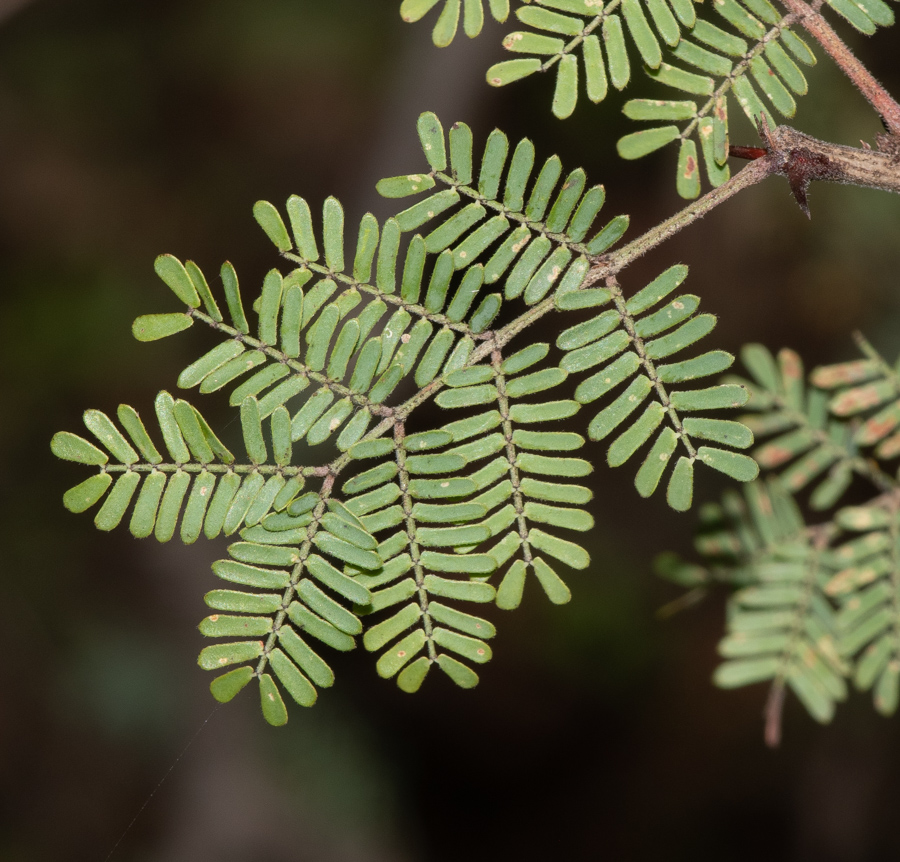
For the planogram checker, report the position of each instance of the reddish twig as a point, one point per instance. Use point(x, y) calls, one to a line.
point(879, 98)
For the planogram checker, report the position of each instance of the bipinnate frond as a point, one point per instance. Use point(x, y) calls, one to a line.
point(781, 627)
point(628, 342)
point(867, 590)
point(307, 335)
point(221, 494)
point(398, 529)
point(809, 442)
point(294, 552)
point(507, 202)
point(748, 50)
point(291, 556)
point(813, 607)
point(865, 393)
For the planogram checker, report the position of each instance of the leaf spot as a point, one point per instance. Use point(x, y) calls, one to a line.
point(405, 338)
point(401, 653)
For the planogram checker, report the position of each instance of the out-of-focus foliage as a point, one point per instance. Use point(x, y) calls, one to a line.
point(816, 604)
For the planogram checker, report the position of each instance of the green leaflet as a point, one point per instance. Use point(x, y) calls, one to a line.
point(73, 448)
point(151, 327)
point(471, 11)
point(175, 276)
point(87, 493)
point(639, 144)
point(227, 686)
point(269, 219)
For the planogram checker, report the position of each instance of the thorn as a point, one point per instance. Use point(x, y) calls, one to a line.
point(799, 183)
point(865, 145)
point(798, 162)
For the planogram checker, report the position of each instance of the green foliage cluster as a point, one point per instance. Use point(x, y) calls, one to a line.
point(815, 604)
point(398, 527)
point(746, 50)
point(358, 519)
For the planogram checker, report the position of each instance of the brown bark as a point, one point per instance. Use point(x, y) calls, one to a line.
point(802, 159)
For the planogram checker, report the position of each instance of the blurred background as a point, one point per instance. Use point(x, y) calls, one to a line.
point(133, 128)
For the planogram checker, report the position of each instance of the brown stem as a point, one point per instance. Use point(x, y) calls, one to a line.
point(803, 159)
point(876, 95)
point(615, 261)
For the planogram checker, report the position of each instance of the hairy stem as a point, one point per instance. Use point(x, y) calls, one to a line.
point(616, 261)
point(875, 93)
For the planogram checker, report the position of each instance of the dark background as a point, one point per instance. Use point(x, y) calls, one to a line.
point(133, 128)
